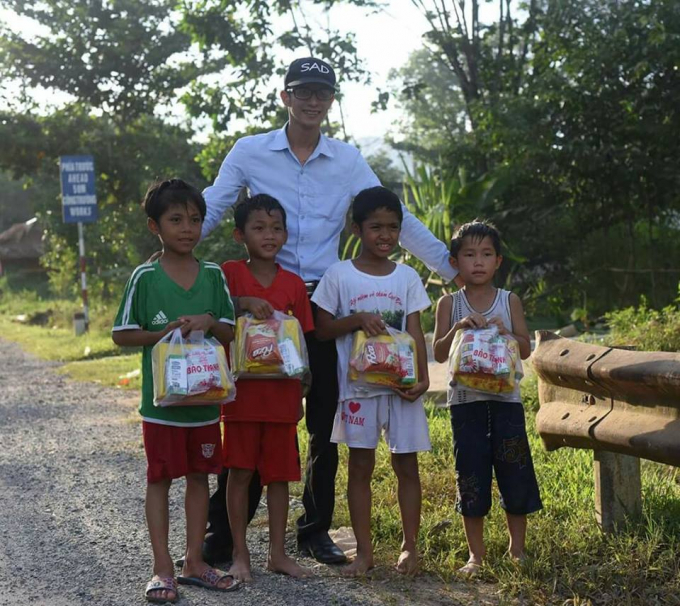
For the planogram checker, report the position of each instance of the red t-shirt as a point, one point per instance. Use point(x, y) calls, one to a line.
point(271, 400)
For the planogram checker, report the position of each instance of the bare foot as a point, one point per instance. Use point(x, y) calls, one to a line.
point(360, 566)
point(517, 558)
point(287, 565)
point(240, 569)
point(407, 563)
point(471, 569)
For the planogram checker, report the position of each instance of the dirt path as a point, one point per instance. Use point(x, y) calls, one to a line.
point(71, 498)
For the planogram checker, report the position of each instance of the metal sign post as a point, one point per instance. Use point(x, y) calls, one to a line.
point(79, 205)
point(83, 275)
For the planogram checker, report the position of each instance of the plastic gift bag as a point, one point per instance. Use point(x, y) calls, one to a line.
point(190, 371)
point(274, 348)
point(485, 361)
point(388, 360)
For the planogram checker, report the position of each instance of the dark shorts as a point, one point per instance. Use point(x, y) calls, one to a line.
point(490, 437)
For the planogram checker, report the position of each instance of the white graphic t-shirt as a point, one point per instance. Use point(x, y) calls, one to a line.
point(345, 290)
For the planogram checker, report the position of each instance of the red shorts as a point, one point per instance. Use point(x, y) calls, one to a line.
point(271, 448)
point(174, 452)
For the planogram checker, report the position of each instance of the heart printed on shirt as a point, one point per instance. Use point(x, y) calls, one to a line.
point(354, 406)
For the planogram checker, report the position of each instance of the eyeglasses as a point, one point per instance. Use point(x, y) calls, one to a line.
point(322, 94)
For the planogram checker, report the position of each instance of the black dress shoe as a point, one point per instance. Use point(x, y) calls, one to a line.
point(321, 547)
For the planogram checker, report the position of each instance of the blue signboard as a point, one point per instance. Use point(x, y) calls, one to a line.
point(79, 202)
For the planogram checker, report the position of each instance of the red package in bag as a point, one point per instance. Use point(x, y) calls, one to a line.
point(262, 344)
point(381, 357)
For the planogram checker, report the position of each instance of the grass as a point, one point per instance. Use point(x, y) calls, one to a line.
point(112, 371)
point(571, 562)
point(58, 344)
point(92, 356)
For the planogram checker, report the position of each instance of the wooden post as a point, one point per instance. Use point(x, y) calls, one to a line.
point(618, 489)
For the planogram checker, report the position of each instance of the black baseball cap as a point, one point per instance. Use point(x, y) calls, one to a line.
point(309, 70)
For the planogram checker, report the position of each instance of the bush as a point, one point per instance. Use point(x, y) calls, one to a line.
point(646, 329)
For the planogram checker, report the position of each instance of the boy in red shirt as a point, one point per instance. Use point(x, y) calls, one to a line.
point(260, 426)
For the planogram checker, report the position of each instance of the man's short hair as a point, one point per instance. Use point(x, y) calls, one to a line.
point(161, 195)
point(248, 206)
point(369, 200)
point(477, 230)
point(309, 70)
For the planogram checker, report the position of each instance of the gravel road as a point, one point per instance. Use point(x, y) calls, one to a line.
point(72, 480)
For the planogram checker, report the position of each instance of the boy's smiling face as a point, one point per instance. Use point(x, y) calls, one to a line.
point(264, 234)
point(179, 228)
point(379, 233)
point(477, 260)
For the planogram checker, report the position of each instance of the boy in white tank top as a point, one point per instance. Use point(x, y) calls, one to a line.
point(488, 431)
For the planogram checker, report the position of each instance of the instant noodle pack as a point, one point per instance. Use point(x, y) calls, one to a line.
point(387, 360)
point(486, 361)
point(271, 348)
point(190, 371)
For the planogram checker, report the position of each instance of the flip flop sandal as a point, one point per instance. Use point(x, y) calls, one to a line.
point(159, 584)
point(210, 580)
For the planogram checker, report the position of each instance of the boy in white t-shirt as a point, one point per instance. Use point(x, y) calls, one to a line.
point(370, 293)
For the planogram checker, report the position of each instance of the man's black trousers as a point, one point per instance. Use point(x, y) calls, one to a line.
point(322, 456)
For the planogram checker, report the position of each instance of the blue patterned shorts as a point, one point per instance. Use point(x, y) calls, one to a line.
point(490, 438)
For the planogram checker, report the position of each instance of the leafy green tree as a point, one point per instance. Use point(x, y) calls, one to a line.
point(16, 204)
point(427, 92)
point(238, 38)
point(118, 70)
point(575, 104)
point(127, 159)
point(124, 58)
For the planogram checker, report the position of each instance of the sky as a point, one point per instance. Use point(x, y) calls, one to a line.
point(385, 41)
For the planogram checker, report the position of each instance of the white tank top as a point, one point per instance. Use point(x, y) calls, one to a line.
point(460, 308)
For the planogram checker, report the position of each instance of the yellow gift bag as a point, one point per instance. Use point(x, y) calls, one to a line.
point(191, 371)
point(388, 360)
point(273, 348)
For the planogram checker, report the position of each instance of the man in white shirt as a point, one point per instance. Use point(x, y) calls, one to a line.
point(315, 179)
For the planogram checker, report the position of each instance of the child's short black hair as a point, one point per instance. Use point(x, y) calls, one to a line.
point(264, 202)
point(369, 200)
point(477, 230)
point(161, 195)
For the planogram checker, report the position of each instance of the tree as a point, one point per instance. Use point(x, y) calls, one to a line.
point(575, 105)
point(124, 58)
point(16, 204)
point(117, 69)
point(240, 36)
point(433, 113)
point(127, 159)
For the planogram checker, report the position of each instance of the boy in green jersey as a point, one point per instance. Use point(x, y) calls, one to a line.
point(176, 291)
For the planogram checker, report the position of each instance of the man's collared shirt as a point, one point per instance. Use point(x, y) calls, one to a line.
point(316, 196)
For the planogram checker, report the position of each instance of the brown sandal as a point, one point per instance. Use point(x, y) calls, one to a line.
point(159, 584)
point(210, 579)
